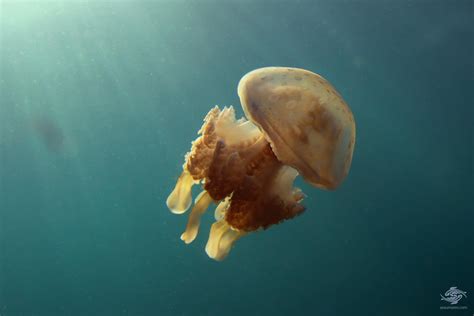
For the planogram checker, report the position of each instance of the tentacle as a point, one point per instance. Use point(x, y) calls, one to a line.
point(221, 239)
point(180, 199)
point(219, 213)
point(200, 206)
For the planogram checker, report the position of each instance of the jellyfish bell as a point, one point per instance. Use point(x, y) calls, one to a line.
point(304, 118)
point(298, 124)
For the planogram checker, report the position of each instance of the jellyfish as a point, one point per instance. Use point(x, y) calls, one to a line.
point(296, 124)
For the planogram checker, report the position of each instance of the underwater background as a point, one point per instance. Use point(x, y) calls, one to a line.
point(99, 101)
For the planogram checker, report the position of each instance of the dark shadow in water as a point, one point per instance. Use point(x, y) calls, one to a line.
point(49, 133)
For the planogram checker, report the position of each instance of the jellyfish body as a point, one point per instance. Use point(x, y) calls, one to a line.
point(298, 123)
point(305, 119)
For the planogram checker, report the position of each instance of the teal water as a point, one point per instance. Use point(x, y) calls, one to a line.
point(100, 100)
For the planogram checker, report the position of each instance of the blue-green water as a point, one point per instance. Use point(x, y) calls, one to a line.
point(99, 102)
